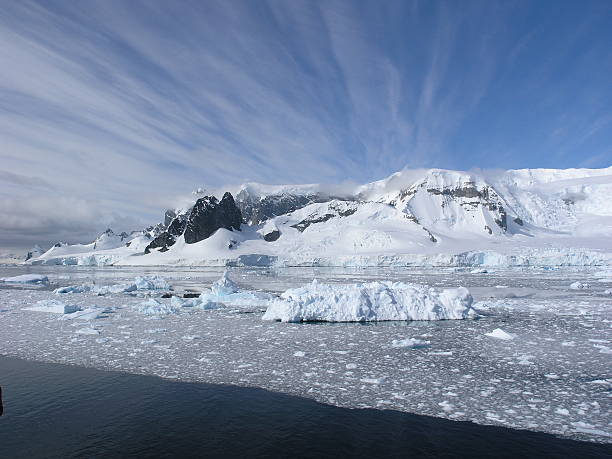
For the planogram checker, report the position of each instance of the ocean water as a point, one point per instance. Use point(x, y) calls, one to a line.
point(53, 410)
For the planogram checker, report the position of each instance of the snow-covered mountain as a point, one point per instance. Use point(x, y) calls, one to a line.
point(528, 216)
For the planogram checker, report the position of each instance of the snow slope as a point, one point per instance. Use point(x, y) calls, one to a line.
point(414, 217)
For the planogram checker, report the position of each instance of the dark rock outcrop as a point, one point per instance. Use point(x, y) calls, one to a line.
point(208, 215)
point(167, 238)
point(272, 236)
point(256, 210)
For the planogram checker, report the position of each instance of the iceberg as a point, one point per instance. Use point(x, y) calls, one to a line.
point(373, 301)
point(153, 307)
point(498, 333)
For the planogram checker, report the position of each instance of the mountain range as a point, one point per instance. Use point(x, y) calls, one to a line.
point(413, 217)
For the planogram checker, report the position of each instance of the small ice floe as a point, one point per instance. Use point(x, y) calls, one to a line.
point(579, 286)
point(91, 313)
point(412, 343)
point(372, 301)
point(500, 334)
point(72, 289)
point(299, 354)
point(373, 380)
point(562, 411)
point(140, 283)
point(479, 271)
point(224, 286)
point(53, 306)
point(197, 303)
point(153, 307)
point(87, 331)
point(191, 337)
point(26, 279)
point(608, 291)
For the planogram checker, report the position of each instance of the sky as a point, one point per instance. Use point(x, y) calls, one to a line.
point(111, 111)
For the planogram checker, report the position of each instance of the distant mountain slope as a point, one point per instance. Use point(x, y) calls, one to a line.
point(425, 216)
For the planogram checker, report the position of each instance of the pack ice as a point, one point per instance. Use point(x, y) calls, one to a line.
point(373, 301)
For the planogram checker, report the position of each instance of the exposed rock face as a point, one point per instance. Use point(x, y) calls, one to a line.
point(168, 217)
point(208, 215)
point(272, 236)
point(167, 238)
point(36, 251)
point(256, 210)
point(335, 209)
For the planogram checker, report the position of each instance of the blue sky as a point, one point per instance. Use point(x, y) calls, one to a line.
point(110, 110)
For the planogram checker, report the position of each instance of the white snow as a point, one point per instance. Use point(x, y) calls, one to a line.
point(372, 301)
point(498, 333)
point(26, 279)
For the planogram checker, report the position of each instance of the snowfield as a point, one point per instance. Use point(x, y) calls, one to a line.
point(553, 375)
point(372, 301)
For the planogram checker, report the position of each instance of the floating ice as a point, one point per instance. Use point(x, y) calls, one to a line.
point(478, 271)
point(140, 283)
point(371, 301)
point(87, 331)
point(199, 303)
point(27, 279)
point(413, 343)
point(151, 283)
point(579, 286)
point(153, 307)
point(224, 286)
point(72, 289)
point(53, 306)
point(500, 334)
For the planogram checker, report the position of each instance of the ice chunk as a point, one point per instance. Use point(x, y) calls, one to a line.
point(72, 289)
point(140, 283)
point(579, 286)
point(500, 334)
point(53, 306)
point(151, 283)
point(370, 302)
point(224, 286)
point(413, 343)
point(153, 307)
point(202, 302)
point(479, 271)
point(87, 331)
point(27, 279)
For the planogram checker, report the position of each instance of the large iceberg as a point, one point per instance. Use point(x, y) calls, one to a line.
point(373, 301)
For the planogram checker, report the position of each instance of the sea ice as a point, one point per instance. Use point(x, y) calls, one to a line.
point(53, 306)
point(72, 289)
point(579, 286)
point(27, 279)
point(224, 286)
point(500, 334)
point(413, 343)
point(373, 301)
point(153, 307)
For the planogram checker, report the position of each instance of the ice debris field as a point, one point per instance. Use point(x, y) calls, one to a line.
point(526, 348)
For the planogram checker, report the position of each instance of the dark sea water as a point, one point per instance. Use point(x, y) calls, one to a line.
point(64, 411)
